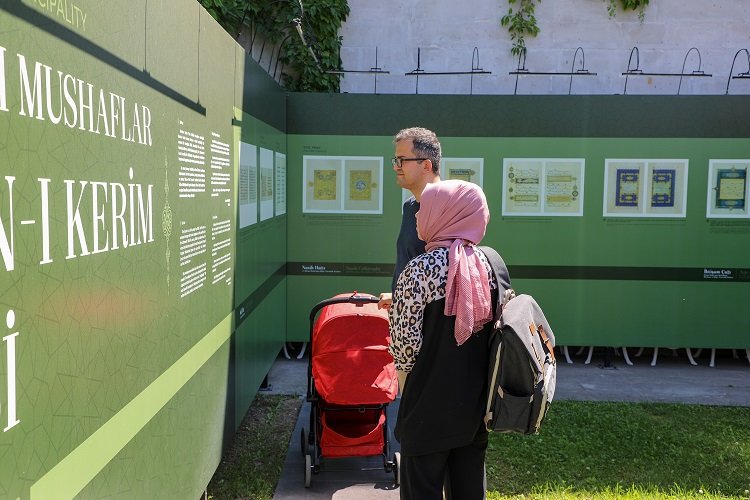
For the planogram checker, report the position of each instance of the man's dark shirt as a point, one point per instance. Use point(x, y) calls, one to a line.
point(408, 244)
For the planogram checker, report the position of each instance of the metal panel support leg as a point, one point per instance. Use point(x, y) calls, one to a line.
point(591, 352)
point(567, 355)
point(656, 355)
point(625, 355)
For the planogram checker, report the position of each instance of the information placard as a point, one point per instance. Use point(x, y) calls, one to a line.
point(645, 188)
point(543, 186)
point(280, 183)
point(247, 186)
point(266, 184)
point(343, 184)
point(464, 169)
point(728, 189)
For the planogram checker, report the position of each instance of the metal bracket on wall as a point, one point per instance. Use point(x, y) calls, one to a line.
point(739, 76)
point(521, 69)
point(475, 70)
point(278, 58)
point(637, 71)
point(375, 70)
point(298, 25)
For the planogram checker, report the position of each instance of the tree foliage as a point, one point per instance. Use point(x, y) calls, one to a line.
point(280, 22)
point(520, 22)
point(520, 19)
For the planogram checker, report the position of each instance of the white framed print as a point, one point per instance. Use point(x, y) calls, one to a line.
point(279, 184)
point(728, 189)
point(247, 185)
point(464, 169)
point(342, 184)
point(266, 184)
point(646, 188)
point(543, 186)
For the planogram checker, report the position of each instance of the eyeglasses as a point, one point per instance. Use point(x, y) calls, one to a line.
point(396, 161)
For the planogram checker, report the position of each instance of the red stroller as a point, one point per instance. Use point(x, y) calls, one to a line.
point(351, 379)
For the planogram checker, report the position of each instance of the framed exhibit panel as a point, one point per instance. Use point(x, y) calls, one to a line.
point(362, 187)
point(645, 188)
point(543, 186)
point(465, 169)
point(321, 190)
point(247, 185)
point(342, 184)
point(728, 189)
point(280, 184)
point(266, 183)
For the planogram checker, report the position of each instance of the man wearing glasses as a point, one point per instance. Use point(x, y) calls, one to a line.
point(416, 163)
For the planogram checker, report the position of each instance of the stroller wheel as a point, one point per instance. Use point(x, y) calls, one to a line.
point(397, 468)
point(308, 470)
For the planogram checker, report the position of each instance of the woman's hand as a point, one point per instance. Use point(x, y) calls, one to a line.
point(385, 301)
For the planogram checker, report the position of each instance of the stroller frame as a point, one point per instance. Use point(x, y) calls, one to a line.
point(310, 443)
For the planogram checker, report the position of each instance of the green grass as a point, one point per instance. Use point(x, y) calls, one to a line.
point(252, 466)
point(585, 450)
point(625, 450)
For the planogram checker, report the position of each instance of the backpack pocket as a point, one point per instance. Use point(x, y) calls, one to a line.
point(511, 413)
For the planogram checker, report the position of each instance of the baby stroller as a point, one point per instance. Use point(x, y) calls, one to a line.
point(351, 379)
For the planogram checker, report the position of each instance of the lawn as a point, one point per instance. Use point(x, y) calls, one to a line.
point(252, 466)
point(626, 450)
point(586, 450)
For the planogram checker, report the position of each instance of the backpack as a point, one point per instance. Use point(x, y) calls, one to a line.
point(522, 371)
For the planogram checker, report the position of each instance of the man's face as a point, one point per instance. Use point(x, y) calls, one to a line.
point(411, 173)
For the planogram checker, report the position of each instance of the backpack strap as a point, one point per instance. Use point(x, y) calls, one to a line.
point(505, 292)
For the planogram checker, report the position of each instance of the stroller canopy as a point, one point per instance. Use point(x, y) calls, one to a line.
point(351, 364)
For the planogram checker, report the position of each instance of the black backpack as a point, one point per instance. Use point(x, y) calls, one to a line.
point(522, 371)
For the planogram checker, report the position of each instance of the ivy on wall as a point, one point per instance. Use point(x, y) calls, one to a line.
point(520, 22)
point(310, 45)
point(520, 19)
point(306, 32)
point(639, 5)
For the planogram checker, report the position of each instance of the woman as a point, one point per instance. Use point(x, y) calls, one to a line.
point(440, 322)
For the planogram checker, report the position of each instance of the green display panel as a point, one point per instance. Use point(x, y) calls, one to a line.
point(120, 259)
point(320, 243)
point(674, 280)
point(260, 288)
point(158, 244)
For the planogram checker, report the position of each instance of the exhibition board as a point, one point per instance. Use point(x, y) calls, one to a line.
point(158, 244)
point(260, 285)
point(126, 366)
point(643, 276)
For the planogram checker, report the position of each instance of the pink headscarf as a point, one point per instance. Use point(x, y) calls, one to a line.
point(454, 214)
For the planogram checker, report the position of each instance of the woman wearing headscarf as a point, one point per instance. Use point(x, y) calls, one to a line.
point(440, 323)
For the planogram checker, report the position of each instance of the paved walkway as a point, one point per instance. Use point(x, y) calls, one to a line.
point(673, 379)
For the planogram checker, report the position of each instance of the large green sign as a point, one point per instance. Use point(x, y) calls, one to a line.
point(117, 241)
point(152, 178)
point(664, 265)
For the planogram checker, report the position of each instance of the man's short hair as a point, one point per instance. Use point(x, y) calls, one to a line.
point(425, 144)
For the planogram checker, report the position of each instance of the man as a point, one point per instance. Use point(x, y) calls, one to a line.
point(416, 163)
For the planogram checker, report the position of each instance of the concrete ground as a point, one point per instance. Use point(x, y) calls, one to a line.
point(607, 378)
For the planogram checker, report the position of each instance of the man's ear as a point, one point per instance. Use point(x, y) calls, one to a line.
point(427, 165)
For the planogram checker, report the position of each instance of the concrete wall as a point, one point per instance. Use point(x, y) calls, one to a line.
point(447, 32)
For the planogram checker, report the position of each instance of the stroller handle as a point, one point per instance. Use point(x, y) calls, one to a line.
point(354, 298)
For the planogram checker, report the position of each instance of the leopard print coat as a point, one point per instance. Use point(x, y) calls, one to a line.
point(422, 282)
